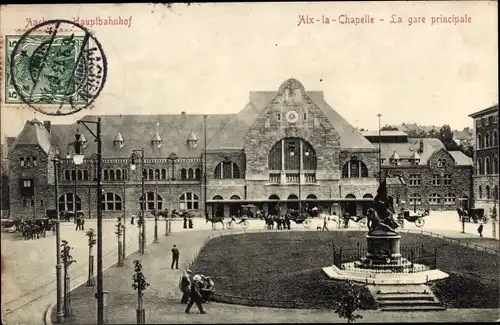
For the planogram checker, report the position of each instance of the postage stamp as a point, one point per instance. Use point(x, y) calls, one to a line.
point(54, 73)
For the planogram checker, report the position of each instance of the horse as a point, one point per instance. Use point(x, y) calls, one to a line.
point(214, 220)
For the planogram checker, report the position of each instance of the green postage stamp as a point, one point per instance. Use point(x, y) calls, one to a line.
point(58, 64)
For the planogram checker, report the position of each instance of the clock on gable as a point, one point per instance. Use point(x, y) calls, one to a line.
point(292, 116)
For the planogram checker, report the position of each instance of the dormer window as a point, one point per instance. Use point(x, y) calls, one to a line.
point(83, 141)
point(395, 159)
point(415, 158)
point(118, 141)
point(21, 161)
point(192, 141)
point(157, 141)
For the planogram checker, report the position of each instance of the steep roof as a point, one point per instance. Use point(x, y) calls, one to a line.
point(395, 156)
point(138, 130)
point(350, 138)
point(460, 158)
point(405, 150)
point(34, 133)
point(485, 111)
point(383, 133)
point(233, 134)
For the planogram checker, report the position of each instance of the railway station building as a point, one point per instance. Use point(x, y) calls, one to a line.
point(287, 146)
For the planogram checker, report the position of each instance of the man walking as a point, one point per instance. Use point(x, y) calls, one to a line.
point(195, 295)
point(325, 224)
point(480, 229)
point(175, 258)
point(186, 286)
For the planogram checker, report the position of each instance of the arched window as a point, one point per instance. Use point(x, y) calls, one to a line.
point(480, 192)
point(151, 174)
point(354, 168)
point(292, 154)
point(495, 192)
point(350, 196)
point(188, 201)
point(111, 175)
point(487, 190)
point(145, 174)
point(494, 138)
point(487, 165)
point(73, 175)
point(118, 174)
point(450, 198)
point(235, 197)
point(480, 167)
point(480, 144)
point(434, 198)
point(415, 199)
point(311, 197)
point(292, 197)
point(274, 197)
point(153, 201)
point(106, 175)
point(227, 170)
point(197, 173)
point(217, 197)
point(111, 202)
point(67, 202)
point(157, 174)
point(79, 175)
point(487, 140)
point(495, 165)
point(183, 173)
point(85, 175)
point(367, 196)
point(67, 175)
point(190, 173)
point(163, 174)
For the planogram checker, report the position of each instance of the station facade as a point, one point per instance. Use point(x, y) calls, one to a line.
point(285, 147)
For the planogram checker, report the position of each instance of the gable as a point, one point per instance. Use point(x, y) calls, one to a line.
point(233, 134)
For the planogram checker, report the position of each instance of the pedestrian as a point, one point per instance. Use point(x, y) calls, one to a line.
point(175, 258)
point(325, 224)
point(195, 295)
point(207, 289)
point(480, 229)
point(82, 223)
point(185, 286)
point(132, 220)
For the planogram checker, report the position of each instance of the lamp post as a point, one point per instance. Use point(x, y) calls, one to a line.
point(78, 160)
point(205, 166)
point(168, 226)
point(124, 217)
point(59, 308)
point(142, 216)
point(157, 175)
point(379, 151)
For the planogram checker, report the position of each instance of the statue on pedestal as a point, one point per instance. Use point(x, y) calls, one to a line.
point(380, 217)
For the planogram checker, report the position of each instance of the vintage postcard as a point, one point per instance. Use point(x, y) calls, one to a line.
point(278, 162)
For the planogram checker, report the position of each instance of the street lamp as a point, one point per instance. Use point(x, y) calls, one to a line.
point(168, 224)
point(157, 176)
point(142, 219)
point(379, 151)
point(78, 160)
point(74, 175)
point(59, 283)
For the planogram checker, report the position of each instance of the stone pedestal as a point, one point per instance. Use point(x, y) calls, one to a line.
point(383, 252)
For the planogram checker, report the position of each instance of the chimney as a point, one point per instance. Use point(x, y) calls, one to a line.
point(421, 146)
point(47, 125)
point(183, 119)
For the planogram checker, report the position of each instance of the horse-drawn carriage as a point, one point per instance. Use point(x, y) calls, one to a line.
point(416, 217)
point(29, 228)
point(472, 215)
point(360, 220)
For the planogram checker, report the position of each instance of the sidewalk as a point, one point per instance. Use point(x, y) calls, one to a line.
point(162, 298)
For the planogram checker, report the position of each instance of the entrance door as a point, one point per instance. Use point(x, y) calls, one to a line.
point(350, 206)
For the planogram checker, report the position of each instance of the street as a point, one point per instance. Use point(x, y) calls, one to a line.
point(28, 280)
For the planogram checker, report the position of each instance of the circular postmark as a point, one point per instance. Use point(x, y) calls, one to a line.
point(58, 68)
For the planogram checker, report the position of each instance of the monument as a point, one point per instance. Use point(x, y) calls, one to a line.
point(383, 261)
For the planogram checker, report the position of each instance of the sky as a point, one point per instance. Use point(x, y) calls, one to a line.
point(206, 58)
